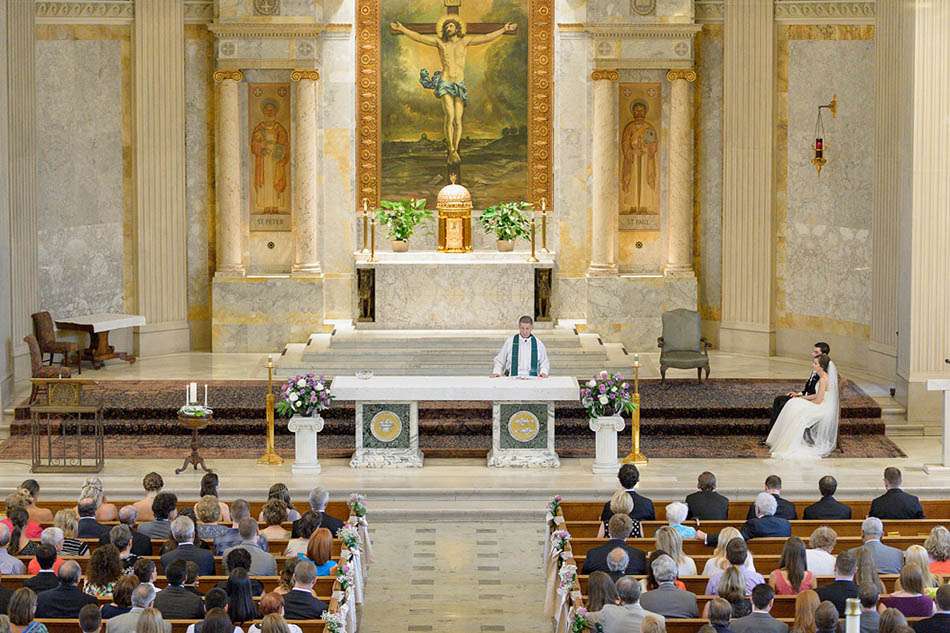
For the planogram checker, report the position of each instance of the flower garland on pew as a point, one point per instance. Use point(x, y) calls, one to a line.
point(349, 535)
point(357, 505)
point(554, 519)
point(580, 623)
point(335, 622)
point(559, 552)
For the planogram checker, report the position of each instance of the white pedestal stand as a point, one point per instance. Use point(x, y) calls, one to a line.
point(944, 386)
point(305, 431)
point(606, 429)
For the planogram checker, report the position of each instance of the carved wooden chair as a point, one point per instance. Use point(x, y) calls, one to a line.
point(45, 333)
point(39, 371)
point(682, 345)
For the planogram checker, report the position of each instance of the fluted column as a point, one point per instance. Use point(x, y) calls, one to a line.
point(747, 177)
point(306, 159)
point(604, 163)
point(160, 176)
point(679, 259)
point(230, 245)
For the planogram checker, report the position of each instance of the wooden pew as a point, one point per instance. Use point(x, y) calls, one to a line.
point(323, 586)
point(275, 546)
point(339, 509)
point(218, 562)
point(178, 626)
point(588, 529)
point(764, 563)
point(697, 584)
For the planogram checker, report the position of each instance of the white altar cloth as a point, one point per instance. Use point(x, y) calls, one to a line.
point(449, 388)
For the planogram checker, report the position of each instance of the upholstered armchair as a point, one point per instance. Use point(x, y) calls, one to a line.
point(39, 371)
point(682, 345)
point(46, 338)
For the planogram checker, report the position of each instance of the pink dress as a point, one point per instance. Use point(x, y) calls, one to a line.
point(784, 588)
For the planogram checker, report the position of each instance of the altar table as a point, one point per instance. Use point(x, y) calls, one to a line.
point(387, 416)
point(98, 327)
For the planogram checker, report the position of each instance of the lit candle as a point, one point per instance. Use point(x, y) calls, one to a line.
point(194, 392)
point(206, 395)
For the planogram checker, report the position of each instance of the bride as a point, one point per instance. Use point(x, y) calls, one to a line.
point(807, 427)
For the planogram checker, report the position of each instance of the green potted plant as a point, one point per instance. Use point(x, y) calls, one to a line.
point(508, 221)
point(401, 217)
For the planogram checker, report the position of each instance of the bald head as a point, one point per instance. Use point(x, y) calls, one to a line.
point(69, 572)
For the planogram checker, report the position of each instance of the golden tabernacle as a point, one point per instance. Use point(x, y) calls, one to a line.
point(454, 203)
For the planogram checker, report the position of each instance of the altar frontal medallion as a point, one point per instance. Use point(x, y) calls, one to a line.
point(385, 426)
point(524, 426)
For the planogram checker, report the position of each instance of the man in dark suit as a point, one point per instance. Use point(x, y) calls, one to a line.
point(617, 561)
point(844, 586)
point(88, 526)
point(785, 508)
point(5, 595)
point(174, 601)
point(811, 386)
point(828, 507)
point(141, 544)
point(707, 504)
point(629, 477)
point(618, 529)
point(164, 509)
point(763, 524)
point(299, 602)
point(318, 499)
point(45, 578)
point(895, 503)
point(760, 620)
point(183, 531)
point(67, 598)
point(939, 622)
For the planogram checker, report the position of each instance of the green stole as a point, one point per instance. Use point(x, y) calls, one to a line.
point(514, 356)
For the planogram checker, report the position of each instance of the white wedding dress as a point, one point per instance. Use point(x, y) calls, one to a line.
point(805, 430)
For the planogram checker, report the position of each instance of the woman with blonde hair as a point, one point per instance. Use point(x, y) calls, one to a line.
point(22, 610)
point(67, 520)
point(732, 589)
point(938, 548)
point(718, 561)
point(92, 489)
point(806, 603)
point(209, 488)
point(653, 623)
point(150, 621)
point(18, 515)
point(286, 583)
point(910, 599)
point(274, 513)
point(918, 555)
point(621, 503)
point(866, 571)
point(208, 513)
point(670, 541)
point(891, 621)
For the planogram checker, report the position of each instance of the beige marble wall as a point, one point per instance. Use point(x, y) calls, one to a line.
point(6, 287)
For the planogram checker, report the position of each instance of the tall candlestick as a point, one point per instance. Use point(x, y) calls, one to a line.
point(635, 456)
point(534, 256)
point(206, 395)
point(544, 226)
point(365, 220)
point(372, 239)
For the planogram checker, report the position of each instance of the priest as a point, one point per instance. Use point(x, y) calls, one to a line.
point(522, 355)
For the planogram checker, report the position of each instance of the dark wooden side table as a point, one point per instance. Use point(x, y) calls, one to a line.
point(98, 326)
point(195, 459)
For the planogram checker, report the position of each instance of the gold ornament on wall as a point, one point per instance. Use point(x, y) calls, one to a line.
point(819, 159)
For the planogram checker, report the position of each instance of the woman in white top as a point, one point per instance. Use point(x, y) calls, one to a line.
point(718, 562)
point(668, 540)
point(818, 558)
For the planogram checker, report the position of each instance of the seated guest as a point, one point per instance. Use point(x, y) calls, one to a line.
point(151, 621)
point(121, 597)
point(121, 537)
point(174, 601)
point(319, 550)
point(892, 621)
point(759, 621)
point(192, 578)
point(707, 504)
point(209, 488)
point(629, 477)
point(819, 558)
point(843, 586)
point(300, 603)
point(146, 571)
point(938, 548)
point(22, 611)
point(826, 618)
point(37, 514)
point(736, 553)
point(45, 576)
point(650, 583)
point(67, 520)
point(866, 572)
point(92, 489)
point(718, 562)
point(667, 599)
point(232, 536)
point(164, 512)
point(88, 526)
point(302, 531)
point(888, 560)
point(827, 507)
point(103, 571)
point(620, 503)
point(870, 616)
point(675, 515)
point(719, 612)
point(917, 555)
point(910, 599)
point(5, 595)
point(240, 558)
point(9, 564)
point(629, 614)
point(153, 484)
point(275, 513)
point(806, 603)
point(20, 522)
point(280, 492)
point(208, 513)
point(732, 590)
point(765, 523)
point(619, 529)
point(940, 621)
point(241, 607)
point(51, 537)
point(895, 503)
point(66, 599)
point(90, 620)
point(601, 590)
point(617, 561)
point(20, 500)
point(286, 576)
point(653, 623)
point(784, 509)
point(670, 541)
point(218, 621)
point(141, 544)
point(792, 577)
point(183, 531)
point(262, 563)
point(318, 500)
point(216, 601)
point(272, 614)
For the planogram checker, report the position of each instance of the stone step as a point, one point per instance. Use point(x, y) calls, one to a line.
point(429, 370)
point(436, 356)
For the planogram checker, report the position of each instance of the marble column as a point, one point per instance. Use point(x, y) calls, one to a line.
point(21, 178)
point(679, 258)
point(230, 245)
point(306, 174)
point(605, 168)
point(748, 83)
point(160, 177)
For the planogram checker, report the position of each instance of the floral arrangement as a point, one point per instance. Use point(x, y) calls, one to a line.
point(195, 411)
point(344, 575)
point(566, 577)
point(304, 395)
point(607, 394)
point(335, 622)
point(554, 505)
point(580, 623)
point(358, 505)
point(559, 540)
point(349, 536)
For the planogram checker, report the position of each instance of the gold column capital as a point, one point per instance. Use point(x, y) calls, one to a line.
point(681, 73)
point(233, 75)
point(312, 75)
point(608, 74)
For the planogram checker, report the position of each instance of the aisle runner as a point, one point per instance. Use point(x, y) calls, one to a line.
point(455, 577)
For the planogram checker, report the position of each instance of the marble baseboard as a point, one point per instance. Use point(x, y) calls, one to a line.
point(387, 458)
point(523, 458)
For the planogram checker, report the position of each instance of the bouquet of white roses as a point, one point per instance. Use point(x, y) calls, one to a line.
point(304, 395)
point(607, 394)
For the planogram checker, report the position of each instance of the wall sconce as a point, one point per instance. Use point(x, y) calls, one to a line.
point(819, 160)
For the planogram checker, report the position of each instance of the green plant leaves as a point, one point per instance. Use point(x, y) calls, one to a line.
point(401, 217)
point(507, 220)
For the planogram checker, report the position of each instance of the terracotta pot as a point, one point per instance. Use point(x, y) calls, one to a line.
point(505, 246)
point(400, 246)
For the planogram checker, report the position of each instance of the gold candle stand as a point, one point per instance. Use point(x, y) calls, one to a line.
point(270, 456)
point(365, 226)
point(544, 226)
point(635, 456)
point(534, 255)
point(372, 239)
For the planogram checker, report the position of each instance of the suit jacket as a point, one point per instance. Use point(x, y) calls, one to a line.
point(827, 508)
point(888, 560)
point(141, 544)
point(937, 623)
point(870, 621)
point(331, 523)
point(758, 623)
point(758, 527)
point(811, 385)
point(785, 509)
point(896, 504)
point(231, 538)
point(642, 509)
point(301, 605)
point(670, 601)
point(707, 505)
point(177, 603)
point(623, 619)
point(5, 595)
point(90, 528)
point(262, 563)
point(597, 558)
point(42, 581)
point(64, 601)
point(157, 529)
point(838, 592)
point(127, 622)
point(189, 551)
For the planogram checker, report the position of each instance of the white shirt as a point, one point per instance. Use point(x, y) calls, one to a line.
point(819, 562)
point(503, 358)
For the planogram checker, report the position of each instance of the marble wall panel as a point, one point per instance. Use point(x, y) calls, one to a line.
point(6, 286)
point(628, 309)
point(235, 9)
point(709, 171)
point(80, 195)
point(622, 11)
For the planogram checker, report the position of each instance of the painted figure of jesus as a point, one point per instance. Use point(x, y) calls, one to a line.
point(271, 150)
point(448, 84)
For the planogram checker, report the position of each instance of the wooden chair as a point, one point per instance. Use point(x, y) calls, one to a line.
point(39, 371)
point(682, 345)
point(45, 333)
